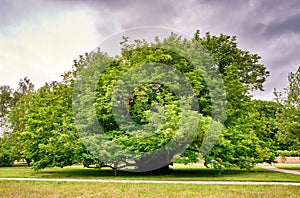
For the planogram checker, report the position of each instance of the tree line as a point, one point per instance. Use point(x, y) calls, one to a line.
point(39, 125)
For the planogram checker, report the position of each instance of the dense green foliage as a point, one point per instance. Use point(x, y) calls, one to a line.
point(43, 127)
point(10, 114)
point(288, 115)
point(168, 98)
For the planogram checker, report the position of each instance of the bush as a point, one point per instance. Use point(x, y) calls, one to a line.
point(5, 160)
point(287, 153)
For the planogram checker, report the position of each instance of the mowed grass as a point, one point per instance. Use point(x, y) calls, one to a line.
point(289, 166)
point(179, 172)
point(68, 189)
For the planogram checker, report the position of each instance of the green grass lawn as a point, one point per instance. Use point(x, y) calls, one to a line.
point(69, 189)
point(289, 166)
point(179, 172)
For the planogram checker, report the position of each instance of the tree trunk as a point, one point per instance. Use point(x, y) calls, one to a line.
point(158, 162)
point(28, 161)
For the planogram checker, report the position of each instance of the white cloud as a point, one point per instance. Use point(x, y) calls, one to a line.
point(44, 47)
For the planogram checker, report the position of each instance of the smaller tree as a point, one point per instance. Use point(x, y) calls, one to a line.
point(6, 103)
point(11, 110)
point(8, 150)
point(288, 116)
point(49, 136)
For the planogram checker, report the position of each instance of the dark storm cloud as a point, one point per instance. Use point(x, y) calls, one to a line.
point(288, 25)
point(131, 13)
point(141, 13)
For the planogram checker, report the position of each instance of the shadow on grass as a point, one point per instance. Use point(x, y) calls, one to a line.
point(172, 174)
point(178, 172)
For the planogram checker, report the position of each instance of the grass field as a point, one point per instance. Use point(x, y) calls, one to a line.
point(63, 189)
point(179, 172)
point(289, 166)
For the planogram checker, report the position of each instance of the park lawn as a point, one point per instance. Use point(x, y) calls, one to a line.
point(70, 189)
point(289, 166)
point(179, 172)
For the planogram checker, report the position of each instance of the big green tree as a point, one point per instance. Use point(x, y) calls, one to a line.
point(148, 97)
point(239, 145)
point(155, 103)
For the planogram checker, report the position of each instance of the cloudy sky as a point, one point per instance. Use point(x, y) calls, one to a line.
point(40, 39)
